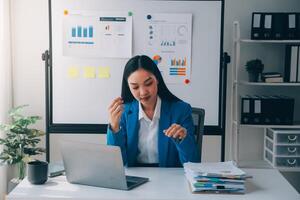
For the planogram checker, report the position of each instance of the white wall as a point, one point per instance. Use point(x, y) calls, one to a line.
point(30, 39)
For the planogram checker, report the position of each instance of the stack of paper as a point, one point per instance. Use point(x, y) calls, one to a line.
point(215, 177)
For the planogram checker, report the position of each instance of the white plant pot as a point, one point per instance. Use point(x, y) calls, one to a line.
point(12, 180)
point(12, 171)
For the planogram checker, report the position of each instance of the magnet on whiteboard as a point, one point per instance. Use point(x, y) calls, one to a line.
point(186, 81)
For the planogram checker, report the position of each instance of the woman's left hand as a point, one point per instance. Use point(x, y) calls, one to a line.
point(176, 131)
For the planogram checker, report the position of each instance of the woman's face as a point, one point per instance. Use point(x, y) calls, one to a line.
point(143, 86)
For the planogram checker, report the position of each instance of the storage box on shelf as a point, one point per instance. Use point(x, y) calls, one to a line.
point(282, 148)
point(238, 85)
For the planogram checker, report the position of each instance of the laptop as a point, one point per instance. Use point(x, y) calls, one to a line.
point(97, 165)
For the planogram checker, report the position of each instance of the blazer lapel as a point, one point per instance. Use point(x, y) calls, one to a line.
point(132, 133)
point(163, 141)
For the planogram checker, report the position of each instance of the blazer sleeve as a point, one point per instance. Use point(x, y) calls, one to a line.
point(119, 138)
point(187, 148)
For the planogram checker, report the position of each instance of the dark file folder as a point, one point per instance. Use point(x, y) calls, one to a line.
point(275, 26)
point(298, 26)
point(279, 26)
point(286, 110)
point(247, 110)
point(257, 109)
point(257, 24)
point(291, 69)
point(291, 33)
point(267, 110)
point(267, 28)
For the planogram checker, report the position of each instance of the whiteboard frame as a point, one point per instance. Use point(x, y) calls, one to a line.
point(101, 128)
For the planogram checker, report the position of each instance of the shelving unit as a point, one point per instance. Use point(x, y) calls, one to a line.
point(237, 84)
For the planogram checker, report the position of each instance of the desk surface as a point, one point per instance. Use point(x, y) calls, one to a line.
point(165, 183)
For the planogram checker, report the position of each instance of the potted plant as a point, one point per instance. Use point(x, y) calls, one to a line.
point(254, 68)
point(20, 140)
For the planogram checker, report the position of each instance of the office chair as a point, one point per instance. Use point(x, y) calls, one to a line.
point(198, 115)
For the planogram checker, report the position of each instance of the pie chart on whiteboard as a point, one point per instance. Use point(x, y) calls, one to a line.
point(182, 30)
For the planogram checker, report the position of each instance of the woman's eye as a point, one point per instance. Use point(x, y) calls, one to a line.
point(135, 88)
point(148, 84)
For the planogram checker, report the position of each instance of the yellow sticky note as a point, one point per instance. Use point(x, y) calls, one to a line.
point(89, 72)
point(73, 72)
point(103, 72)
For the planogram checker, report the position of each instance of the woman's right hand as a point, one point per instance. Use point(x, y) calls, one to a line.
point(115, 112)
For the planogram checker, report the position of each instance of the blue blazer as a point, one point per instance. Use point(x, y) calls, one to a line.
point(171, 152)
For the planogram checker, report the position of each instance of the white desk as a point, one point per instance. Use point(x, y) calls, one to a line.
point(164, 184)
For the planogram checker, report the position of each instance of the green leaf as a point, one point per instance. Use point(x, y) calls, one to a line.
point(2, 141)
point(20, 140)
point(34, 151)
point(36, 133)
point(17, 110)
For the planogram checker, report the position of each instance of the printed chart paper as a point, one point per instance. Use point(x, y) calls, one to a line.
point(169, 44)
point(97, 35)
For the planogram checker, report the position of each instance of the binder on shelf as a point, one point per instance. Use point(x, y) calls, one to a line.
point(275, 26)
point(298, 26)
point(257, 111)
point(287, 63)
point(286, 110)
point(298, 66)
point(279, 26)
point(291, 63)
point(294, 63)
point(267, 110)
point(246, 110)
point(267, 28)
point(267, 114)
point(291, 33)
point(277, 110)
point(257, 24)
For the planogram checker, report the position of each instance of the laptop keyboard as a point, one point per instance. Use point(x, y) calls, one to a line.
point(135, 181)
point(131, 180)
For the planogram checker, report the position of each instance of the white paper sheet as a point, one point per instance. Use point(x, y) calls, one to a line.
point(169, 44)
point(217, 168)
point(90, 34)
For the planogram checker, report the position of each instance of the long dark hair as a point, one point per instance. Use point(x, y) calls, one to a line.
point(146, 63)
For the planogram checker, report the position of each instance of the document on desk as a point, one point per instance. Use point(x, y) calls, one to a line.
point(215, 177)
point(214, 168)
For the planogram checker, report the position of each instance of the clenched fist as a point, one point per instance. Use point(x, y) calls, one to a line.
point(115, 112)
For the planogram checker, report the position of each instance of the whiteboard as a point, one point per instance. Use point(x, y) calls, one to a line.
point(85, 101)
